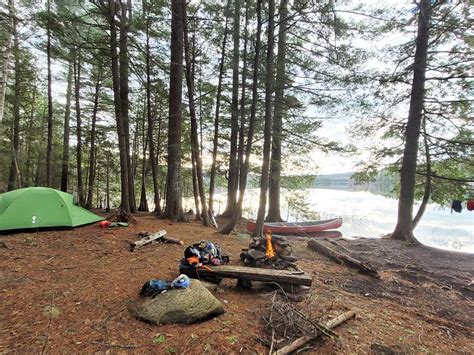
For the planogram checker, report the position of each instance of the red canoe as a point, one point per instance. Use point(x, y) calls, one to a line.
point(297, 227)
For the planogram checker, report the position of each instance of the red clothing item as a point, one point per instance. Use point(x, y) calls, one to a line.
point(470, 205)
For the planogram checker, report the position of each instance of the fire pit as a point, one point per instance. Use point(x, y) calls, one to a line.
point(271, 252)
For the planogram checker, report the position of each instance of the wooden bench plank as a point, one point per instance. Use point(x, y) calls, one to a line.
point(258, 274)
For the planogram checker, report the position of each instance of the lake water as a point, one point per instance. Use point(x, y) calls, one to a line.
point(369, 215)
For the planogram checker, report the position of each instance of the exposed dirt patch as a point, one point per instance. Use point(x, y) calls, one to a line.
point(89, 276)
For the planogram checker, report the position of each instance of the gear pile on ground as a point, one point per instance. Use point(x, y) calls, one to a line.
point(201, 255)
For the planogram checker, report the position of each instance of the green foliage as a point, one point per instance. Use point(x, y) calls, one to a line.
point(159, 339)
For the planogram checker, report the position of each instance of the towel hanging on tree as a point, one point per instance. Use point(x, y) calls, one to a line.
point(470, 205)
point(456, 206)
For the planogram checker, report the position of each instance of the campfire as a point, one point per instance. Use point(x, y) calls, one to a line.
point(272, 252)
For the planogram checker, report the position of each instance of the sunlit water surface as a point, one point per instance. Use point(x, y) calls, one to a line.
point(369, 215)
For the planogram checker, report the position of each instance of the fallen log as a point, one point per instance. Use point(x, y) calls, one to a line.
point(343, 259)
point(257, 274)
point(298, 343)
point(160, 236)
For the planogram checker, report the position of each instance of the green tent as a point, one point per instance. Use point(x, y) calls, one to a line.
point(37, 207)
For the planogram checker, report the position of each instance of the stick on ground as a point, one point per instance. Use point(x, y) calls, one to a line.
point(298, 343)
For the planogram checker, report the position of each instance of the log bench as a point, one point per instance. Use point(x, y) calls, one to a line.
point(245, 275)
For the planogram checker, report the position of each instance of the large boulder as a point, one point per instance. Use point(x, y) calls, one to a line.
point(179, 306)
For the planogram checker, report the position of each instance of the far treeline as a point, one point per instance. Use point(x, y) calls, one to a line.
point(116, 101)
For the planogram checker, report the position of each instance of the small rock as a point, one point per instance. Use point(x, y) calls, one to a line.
point(255, 254)
point(30, 241)
point(244, 237)
point(210, 286)
point(225, 301)
point(51, 310)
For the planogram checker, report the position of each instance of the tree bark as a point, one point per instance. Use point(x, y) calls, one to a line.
point(150, 118)
point(49, 146)
point(67, 131)
point(107, 182)
point(6, 55)
point(195, 186)
point(212, 182)
point(174, 209)
point(28, 166)
point(93, 153)
point(274, 214)
point(253, 111)
point(241, 147)
point(404, 228)
point(233, 173)
point(427, 192)
point(194, 123)
point(143, 205)
point(77, 86)
point(14, 178)
point(124, 166)
point(268, 121)
point(125, 19)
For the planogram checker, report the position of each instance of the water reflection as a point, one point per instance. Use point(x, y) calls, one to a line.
point(369, 215)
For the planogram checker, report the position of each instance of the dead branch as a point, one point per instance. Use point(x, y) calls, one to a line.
point(298, 343)
point(342, 259)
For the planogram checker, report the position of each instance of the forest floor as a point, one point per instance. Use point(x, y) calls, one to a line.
point(67, 292)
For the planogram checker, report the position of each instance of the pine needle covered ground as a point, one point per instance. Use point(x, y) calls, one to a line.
point(68, 291)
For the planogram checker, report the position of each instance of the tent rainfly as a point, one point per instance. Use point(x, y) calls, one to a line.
point(38, 207)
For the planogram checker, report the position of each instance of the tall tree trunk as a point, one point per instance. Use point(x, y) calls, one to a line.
point(135, 148)
point(125, 20)
point(241, 147)
point(162, 185)
point(107, 181)
point(67, 130)
point(427, 192)
point(195, 186)
point(49, 146)
point(253, 112)
point(77, 86)
point(274, 214)
point(194, 123)
point(151, 122)
point(14, 179)
point(93, 153)
point(233, 174)
point(124, 166)
point(28, 166)
point(174, 209)
point(143, 205)
point(268, 121)
point(6, 55)
point(212, 182)
point(404, 228)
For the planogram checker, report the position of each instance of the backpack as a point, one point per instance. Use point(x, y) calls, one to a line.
point(154, 287)
point(205, 253)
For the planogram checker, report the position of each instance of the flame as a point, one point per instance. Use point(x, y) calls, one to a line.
point(270, 252)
